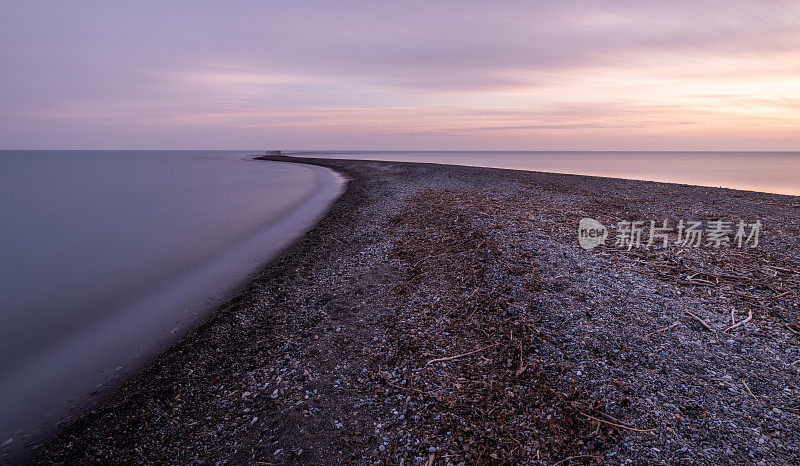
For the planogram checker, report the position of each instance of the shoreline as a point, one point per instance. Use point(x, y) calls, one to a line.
point(43, 390)
point(593, 168)
point(323, 356)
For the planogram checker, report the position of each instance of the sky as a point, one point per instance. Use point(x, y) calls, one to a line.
point(431, 75)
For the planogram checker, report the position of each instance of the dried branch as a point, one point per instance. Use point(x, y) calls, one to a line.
point(570, 458)
point(748, 390)
point(450, 358)
point(702, 322)
point(748, 319)
point(663, 329)
point(617, 425)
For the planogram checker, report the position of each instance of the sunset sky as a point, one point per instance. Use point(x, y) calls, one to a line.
point(590, 75)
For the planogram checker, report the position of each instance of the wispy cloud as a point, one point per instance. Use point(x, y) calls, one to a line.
point(570, 126)
point(435, 74)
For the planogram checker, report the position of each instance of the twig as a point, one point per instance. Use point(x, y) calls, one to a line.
point(782, 294)
point(663, 329)
point(703, 322)
point(748, 389)
point(465, 301)
point(408, 388)
point(522, 366)
point(745, 296)
point(749, 317)
point(450, 358)
point(618, 425)
point(575, 458)
point(783, 269)
point(695, 282)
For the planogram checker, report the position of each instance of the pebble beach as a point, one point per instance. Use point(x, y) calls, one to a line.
point(443, 314)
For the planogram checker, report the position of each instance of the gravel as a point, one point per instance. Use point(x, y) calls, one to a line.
point(546, 352)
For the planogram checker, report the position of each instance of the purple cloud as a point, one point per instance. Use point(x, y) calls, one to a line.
point(367, 74)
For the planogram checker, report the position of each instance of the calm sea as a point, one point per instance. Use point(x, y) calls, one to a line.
point(106, 255)
point(772, 172)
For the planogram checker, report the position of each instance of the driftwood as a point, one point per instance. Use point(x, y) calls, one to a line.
point(748, 319)
point(702, 322)
point(617, 425)
point(663, 329)
point(458, 356)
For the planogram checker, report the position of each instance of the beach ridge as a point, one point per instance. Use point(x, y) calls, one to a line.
point(448, 313)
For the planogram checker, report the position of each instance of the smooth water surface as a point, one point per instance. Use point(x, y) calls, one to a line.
point(772, 172)
point(105, 255)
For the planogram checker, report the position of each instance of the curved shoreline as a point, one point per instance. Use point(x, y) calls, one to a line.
point(109, 352)
point(324, 357)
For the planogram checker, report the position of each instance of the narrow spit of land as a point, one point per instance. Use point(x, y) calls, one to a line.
point(445, 314)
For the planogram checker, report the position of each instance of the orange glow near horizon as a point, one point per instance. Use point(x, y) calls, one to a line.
point(583, 76)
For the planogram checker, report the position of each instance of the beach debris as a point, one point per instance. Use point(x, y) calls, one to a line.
point(746, 320)
point(459, 356)
point(702, 321)
point(617, 425)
